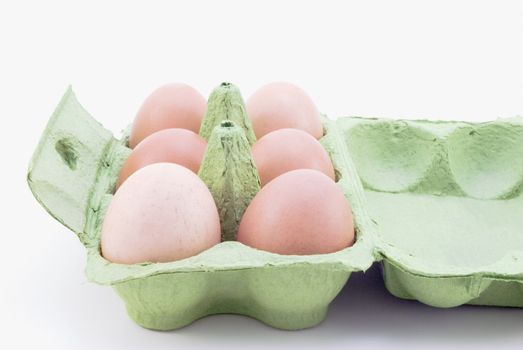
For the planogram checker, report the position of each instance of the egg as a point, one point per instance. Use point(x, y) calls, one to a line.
point(300, 212)
point(162, 213)
point(284, 150)
point(174, 105)
point(281, 105)
point(179, 146)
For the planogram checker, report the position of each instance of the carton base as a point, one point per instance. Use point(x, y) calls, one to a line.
point(285, 298)
point(446, 292)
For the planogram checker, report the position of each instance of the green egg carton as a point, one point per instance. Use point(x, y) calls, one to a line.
point(447, 201)
point(73, 174)
point(439, 205)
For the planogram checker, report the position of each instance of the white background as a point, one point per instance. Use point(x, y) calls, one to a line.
point(409, 59)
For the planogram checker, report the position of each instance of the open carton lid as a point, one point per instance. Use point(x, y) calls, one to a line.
point(74, 154)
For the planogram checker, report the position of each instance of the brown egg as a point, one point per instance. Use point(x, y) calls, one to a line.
point(284, 150)
point(283, 105)
point(162, 213)
point(170, 106)
point(298, 213)
point(179, 146)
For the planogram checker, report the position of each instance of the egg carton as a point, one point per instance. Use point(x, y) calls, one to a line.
point(447, 200)
point(437, 204)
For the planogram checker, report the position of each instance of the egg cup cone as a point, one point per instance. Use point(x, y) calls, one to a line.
point(230, 174)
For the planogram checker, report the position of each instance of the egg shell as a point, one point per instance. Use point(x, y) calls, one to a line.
point(284, 150)
point(179, 146)
point(76, 163)
point(175, 105)
point(300, 212)
point(282, 105)
point(162, 213)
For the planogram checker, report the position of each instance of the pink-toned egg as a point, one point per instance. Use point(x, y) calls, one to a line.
point(298, 213)
point(281, 105)
point(162, 213)
point(180, 146)
point(284, 150)
point(174, 105)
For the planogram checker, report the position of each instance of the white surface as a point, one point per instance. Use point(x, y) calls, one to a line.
point(410, 59)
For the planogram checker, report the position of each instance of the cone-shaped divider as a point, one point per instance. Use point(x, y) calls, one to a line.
point(226, 103)
point(230, 174)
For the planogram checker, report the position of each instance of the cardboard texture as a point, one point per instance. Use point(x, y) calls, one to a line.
point(446, 197)
point(438, 203)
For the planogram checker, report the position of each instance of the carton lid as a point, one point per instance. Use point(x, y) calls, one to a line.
point(67, 163)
